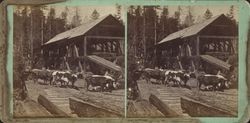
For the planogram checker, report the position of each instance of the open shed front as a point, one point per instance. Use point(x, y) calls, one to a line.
point(215, 38)
point(103, 37)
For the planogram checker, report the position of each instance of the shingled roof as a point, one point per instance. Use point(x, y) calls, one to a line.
point(77, 31)
point(190, 31)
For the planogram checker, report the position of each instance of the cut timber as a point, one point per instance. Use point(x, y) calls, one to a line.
point(66, 62)
point(103, 62)
point(215, 61)
point(190, 54)
point(86, 109)
point(162, 107)
point(77, 55)
point(142, 109)
point(198, 109)
point(98, 104)
point(179, 62)
point(53, 109)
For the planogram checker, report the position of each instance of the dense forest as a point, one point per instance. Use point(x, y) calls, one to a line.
point(148, 25)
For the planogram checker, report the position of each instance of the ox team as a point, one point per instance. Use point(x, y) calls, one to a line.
point(67, 78)
point(180, 78)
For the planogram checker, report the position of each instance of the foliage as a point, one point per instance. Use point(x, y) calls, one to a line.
point(95, 15)
point(118, 12)
point(208, 14)
point(189, 19)
point(76, 20)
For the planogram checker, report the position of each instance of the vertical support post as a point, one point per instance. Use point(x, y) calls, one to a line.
point(197, 51)
point(77, 55)
point(190, 54)
point(232, 46)
point(144, 36)
point(65, 60)
point(198, 46)
point(179, 62)
point(85, 52)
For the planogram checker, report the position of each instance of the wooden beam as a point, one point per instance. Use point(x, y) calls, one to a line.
point(232, 47)
point(105, 37)
point(200, 109)
point(85, 52)
point(162, 107)
point(51, 107)
point(190, 54)
point(77, 55)
point(66, 62)
point(197, 45)
point(179, 62)
point(219, 37)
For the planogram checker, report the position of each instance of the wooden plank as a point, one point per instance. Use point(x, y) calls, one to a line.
point(77, 55)
point(105, 37)
point(179, 62)
point(52, 108)
point(104, 63)
point(66, 62)
point(162, 107)
point(197, 45)
point(85, 52)
point(198, 109)
point(86, 109)
point(218, 37)
point(215, 61)
point(190, 54)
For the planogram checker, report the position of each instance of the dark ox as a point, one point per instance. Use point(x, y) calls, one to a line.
point(157, 74)
point(105, 82)
point(44, 75)
point(217, 82)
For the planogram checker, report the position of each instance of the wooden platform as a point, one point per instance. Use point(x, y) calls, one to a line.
point(106, 104)
point(171, 97)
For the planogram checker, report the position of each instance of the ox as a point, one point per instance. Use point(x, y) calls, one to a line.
point(157, 74)
point(64, 78)
point(105, 82)
point(178, 77)
point(44, 75)
point(214, 82)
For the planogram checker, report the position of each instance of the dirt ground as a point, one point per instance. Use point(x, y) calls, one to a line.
point(31, 108)
point(226, 100)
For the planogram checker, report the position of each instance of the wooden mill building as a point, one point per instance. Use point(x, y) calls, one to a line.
point(100, 41)
point(209, 45)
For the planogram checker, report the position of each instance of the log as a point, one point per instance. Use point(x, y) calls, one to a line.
point(198, 109)
point(79, 62)
point(53, 109)
point(142, 109)
point(162, 107)
point(86, 109)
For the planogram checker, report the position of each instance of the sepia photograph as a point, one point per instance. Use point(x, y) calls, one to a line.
point(68, 61)
point(182, 61)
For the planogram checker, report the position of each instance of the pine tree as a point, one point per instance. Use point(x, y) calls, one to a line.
point(230, 14)
point(208, 14)
point(64, 15)
point(131, 30)
point(189, 19)
point(177, 17)
point(76, 20)
point(95, 15)
point(163, 24)
point(50, 24)
point(118, 12)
